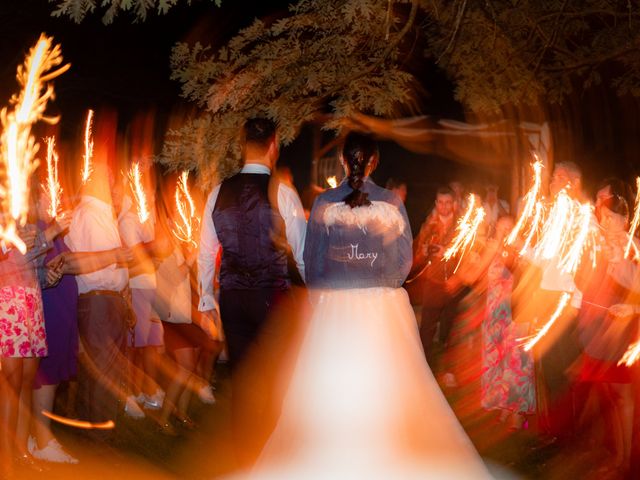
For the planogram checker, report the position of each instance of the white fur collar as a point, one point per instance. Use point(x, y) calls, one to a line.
point(385, 213)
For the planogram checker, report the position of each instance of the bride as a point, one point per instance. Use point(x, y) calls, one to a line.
point(362, 402)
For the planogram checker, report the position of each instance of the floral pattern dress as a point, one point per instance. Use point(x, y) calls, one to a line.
point(507, 379)
point(22, 332)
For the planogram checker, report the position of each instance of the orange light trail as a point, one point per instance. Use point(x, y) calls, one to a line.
point(634, 222)
point(135, 180)
point(532, 206)
point(631, 355)
point(108, 425)
point(52, 188)
point(562, 303)
point(184, 229)
point(466, 230)
point(87, 167)
point(18, 146)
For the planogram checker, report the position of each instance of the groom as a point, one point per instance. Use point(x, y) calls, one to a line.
point(256, 220)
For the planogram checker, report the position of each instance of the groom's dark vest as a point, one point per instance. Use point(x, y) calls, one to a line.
point(250, 231)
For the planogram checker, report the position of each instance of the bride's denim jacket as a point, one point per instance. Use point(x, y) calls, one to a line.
point(364, 247)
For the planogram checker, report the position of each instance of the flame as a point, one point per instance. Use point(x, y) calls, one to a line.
point(631, 355)
point(87, 168)
point(532, 209)
point(466, 230)
point(332, 181)
point(184, 229)
point(135, 180)
point(52, 188)
point(562, 303)
point(634, 222)
point(18, 145)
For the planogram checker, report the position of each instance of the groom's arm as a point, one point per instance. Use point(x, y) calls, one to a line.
point(207, 254)
point(295, 222)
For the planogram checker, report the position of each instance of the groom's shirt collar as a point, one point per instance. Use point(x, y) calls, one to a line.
point(255, 168)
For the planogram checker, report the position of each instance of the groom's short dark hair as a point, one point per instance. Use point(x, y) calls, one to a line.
point(259, 131)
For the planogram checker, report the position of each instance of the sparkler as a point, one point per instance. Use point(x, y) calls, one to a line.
point(634, 222)
point(532, 207)
point(562, 303)
point(466, 230)
point(631, 355)
point(18, 146)
point(87, 168)
point(52, 188)
point(332, 181)
point(184, 229)
point(135, 180)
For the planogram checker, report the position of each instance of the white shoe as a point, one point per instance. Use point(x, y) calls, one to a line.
point(205, 394)
point(53, 452)
point(154, 402)
point(131, 408)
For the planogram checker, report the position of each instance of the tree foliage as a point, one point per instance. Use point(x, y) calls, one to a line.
point(327, 56)
point(506, 52)
point(78, 9)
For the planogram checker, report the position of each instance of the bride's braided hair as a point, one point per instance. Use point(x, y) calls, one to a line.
point(358, 151)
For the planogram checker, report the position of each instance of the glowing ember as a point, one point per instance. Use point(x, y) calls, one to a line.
point(135, 180)
point(466, 230)
point(583, 232)
point(18, 145)
point(184, 228)
point(631, 355)
point(332, 181)
point(634, 222)
point(532, 209)
point(52, 188)
point(87, 168)
point(556, 314)
point(109, 424)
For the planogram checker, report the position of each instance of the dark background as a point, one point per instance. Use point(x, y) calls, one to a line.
point(126, 65)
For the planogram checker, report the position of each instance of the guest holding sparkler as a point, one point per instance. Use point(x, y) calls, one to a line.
point(604, 335)
point(103, 312)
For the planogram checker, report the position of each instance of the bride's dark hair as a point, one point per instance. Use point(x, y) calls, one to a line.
point(358, 152)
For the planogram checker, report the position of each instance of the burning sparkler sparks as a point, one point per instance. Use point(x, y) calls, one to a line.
point(185, 229)
point(17, 143)
point(532, 207)
point(631, 355)
point(87, 168)
point(109, 424)
point(332, 181)
point(52, 188)
point(135, 180)
point(634, 222)
point(564, 300)
point(466, 230)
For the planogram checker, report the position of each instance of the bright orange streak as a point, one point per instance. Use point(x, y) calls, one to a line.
point(184, 229)
point(135, 179)
point(578, 243)
point(87, 168)
point(18, 145)
point(109, 424)
point(531, 209)
point(631, 355)
point(466, 230)
point(556, 314)
point(53, 188)
point(635, 221)
point(332, 181)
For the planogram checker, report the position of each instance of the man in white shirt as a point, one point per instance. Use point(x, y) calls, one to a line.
point(256, 220)
point(102, 307)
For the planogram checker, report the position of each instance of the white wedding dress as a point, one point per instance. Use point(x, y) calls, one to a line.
point(362, 401)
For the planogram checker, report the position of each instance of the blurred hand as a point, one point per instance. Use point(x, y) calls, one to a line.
point(124, 255)
point(209, 323)
point(63, 221)
point(53, 276)
point(57, 262)
point(622, 311)
point(28, 235)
